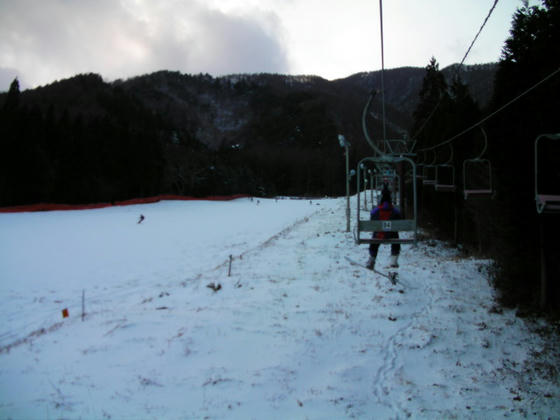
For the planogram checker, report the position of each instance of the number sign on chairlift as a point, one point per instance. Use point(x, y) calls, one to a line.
point(547, 173)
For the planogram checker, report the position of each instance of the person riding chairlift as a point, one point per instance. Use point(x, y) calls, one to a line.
point(385, 211)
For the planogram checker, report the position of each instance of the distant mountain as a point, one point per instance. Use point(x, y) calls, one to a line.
point(219, 111)
point(402, 86)
point(169, 132)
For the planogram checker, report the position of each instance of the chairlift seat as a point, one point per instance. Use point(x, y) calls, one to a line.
point(429, 175)
point(401, 225)
point(445, 187)
point(445, 177)
point(470, 190)
point(379, 241)
point(547, 203)
point(478, 193)
point(387, 225)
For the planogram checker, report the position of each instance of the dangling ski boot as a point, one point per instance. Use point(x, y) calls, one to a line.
point(371, 263)
point(394, 261)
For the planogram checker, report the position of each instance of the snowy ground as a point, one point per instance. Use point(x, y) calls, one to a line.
point(295, 332)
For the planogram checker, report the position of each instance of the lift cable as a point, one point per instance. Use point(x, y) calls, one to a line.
point(483, 120)
point(479, 31)
point(458, 67)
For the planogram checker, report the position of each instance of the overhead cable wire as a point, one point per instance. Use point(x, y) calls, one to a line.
point(478, 33)
point(459, 66)
point(500, 109)
point(428, 118)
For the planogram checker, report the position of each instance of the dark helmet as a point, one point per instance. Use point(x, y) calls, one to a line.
point(385, 194)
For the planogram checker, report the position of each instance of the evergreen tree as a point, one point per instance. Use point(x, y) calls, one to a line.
point(12, 100)
point(529, 55)
point(429, 119)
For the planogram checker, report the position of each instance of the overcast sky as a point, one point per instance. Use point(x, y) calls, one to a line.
point(45, 40)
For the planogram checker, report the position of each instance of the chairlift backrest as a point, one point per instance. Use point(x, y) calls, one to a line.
point(419, 169)
point(547, 173)
point(445, 178)
point(364, 226)
point(477, 178)
point(445, 175)
point(429, 175)
point(477, 175)
point(429, 172)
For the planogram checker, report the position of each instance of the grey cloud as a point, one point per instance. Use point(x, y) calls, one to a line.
point(58, 38)
point(193, 38)
point(239, 44)
point(51, 39)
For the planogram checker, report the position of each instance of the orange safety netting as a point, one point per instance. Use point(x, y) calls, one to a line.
point(146, 200)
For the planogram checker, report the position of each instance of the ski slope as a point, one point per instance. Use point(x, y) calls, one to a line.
point(294, 332)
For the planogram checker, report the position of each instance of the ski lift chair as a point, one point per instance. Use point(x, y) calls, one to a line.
point(420, 169)
point(445, 178)
point(429, 172)
point(382, 160)
point(403, 225)
point(429, 175)
point(477, 178)
point(548, 203)
point(547, 177)
point(477, 175)
point(445, 175)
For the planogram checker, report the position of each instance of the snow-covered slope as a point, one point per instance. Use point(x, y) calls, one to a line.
point(293, 332)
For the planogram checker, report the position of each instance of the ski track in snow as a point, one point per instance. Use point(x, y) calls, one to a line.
point(294, 332)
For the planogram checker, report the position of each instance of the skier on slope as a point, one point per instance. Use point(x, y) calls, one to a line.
point(385, 211)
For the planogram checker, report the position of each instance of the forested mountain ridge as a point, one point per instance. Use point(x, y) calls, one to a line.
point(221, 107)
point(222, 104)
point(402, 86)
point(196, 134)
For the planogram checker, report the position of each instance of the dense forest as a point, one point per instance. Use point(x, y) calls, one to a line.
point(503, 224)
point(83, 140)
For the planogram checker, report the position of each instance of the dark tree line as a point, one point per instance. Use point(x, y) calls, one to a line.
point(507, 226)
point(83, 141)
point(52, 155)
